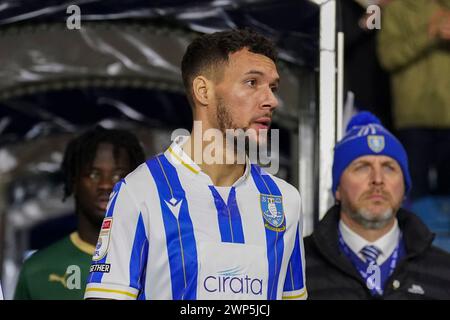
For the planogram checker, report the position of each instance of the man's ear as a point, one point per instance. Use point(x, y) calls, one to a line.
point(202, 90)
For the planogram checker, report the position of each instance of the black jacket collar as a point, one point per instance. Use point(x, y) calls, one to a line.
point(416, 235)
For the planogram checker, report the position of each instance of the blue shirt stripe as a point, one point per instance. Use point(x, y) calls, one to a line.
point(236, 220)
point(181, 247)
point(141, 295)
point(139, 254)
point(274, 239)
point(230, 224)
point(294, 277)
point(115, 191)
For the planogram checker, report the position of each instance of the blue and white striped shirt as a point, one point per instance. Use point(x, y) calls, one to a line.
point(170, 234)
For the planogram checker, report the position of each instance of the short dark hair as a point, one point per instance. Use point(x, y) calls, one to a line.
point(81, 151)
point(212, 50)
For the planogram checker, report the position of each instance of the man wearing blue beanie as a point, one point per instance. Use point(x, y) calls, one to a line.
point(367, 246)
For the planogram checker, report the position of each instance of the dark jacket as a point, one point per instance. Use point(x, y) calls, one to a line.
point(331, 275)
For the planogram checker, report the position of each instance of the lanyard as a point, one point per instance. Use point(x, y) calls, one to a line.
point(369, 271)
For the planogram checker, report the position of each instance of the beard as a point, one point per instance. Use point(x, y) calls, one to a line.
point(366, 217)
point(368, 220)
point(252, 139)
point(224, 122)
point(224, 118)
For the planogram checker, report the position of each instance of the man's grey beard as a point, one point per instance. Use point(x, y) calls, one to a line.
point(366, 219)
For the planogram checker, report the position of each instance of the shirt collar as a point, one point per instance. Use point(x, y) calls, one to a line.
point(81, 244)
point(386, 243)
point(178, 157)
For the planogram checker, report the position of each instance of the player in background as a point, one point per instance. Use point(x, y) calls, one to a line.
point(93, 163)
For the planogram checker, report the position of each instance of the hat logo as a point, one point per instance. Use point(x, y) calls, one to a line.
point(376, 143)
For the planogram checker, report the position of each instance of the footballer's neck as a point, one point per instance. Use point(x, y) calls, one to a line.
point(87, 231)
point(221, 174)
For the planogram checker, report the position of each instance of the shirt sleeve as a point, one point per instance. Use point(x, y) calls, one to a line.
point(120, 257)
point(294, 284)
point(22, 292)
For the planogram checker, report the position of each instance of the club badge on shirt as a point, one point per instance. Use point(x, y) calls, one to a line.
point(103, 240)
point(272, 210)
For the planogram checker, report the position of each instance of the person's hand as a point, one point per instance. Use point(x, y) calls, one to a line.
point(439, 25)
point(444, 28)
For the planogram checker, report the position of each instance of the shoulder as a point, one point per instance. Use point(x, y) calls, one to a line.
point(310, 246)
point(308, 240)
point(438, 257)
point(432, 261)
point(138, 175)
point(282, 184)
point(408, 11)
point(137, 183)
point(406, 5)
point(48, 255)
point(290, 193)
